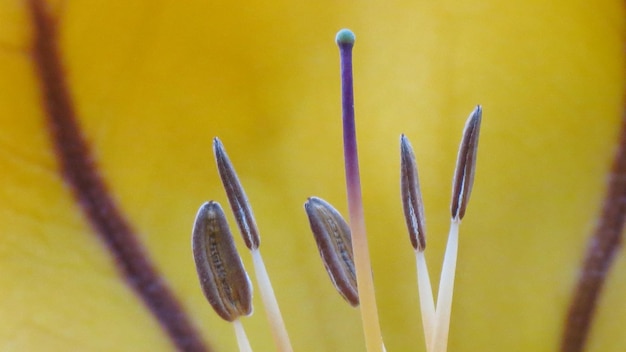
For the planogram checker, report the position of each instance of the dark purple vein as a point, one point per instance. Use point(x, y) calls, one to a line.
point(602, 246)
point(90, 191)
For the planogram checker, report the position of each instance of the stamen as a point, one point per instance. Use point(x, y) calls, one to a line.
point(369, 313)
point(334, 242)
point(247, 225)
point(414, 214)
point(461, 189)
point(223, 278)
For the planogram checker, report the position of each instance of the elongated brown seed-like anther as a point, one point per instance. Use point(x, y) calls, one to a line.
point(412, 196)
point(236, 197)
point(223, 278)
point(334, 243)
point(466, 165)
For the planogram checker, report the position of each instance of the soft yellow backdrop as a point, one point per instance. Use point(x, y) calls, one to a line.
point(154, 81)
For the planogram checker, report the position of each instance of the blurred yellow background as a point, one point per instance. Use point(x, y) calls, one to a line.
point(155, 81)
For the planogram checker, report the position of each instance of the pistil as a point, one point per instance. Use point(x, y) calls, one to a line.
point(369, 313)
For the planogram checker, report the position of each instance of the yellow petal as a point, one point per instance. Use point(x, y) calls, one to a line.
point(153, 82)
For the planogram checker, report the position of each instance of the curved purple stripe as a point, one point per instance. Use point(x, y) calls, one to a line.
point(604, 243)
point(90, 191)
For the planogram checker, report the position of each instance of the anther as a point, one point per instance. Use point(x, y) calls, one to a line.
point(466, 164)
point(412, 196)
point(223, 278)
point(236, 196)
point(334, 242)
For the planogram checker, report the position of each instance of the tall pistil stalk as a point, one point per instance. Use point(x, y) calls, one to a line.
point(369, 313)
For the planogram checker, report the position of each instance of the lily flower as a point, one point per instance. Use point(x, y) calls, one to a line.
point(96, 212)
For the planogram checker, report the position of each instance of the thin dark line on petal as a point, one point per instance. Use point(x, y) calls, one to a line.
point(90, 191)
point(602, 246)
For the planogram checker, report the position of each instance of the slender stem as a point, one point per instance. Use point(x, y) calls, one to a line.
point(446, 288)
point(427, 302)
point(242, 338)
point(277, 325)
point(367, 297)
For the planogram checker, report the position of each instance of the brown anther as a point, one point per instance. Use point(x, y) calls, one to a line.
point(236, 197)
point(334, 243)
point(223, 278)
point(412, 196)
point(466, 165)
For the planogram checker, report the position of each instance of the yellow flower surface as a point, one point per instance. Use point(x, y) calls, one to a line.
point(154, 81)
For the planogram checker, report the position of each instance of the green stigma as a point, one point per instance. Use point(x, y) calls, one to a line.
point(345, 36)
